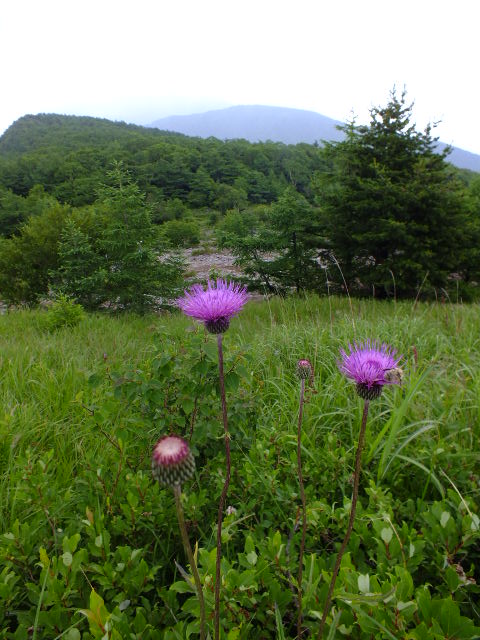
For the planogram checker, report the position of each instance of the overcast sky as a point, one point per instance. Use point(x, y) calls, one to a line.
point(144, 59)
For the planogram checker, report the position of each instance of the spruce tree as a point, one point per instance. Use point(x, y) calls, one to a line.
point(78, 275)
point(132, 273)
point(394, 211)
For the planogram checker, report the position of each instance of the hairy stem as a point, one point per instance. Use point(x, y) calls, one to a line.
point(356, 482)
point(223, 496)
point(304, 509)
point(177, 490)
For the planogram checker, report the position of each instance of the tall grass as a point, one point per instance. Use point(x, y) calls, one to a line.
point(43, 375)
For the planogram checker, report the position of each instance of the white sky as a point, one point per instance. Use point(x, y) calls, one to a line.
point(144, 59)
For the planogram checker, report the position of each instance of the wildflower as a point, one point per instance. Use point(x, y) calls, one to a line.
point(304, 370)
point(370, 365)
point(215, 305)
point(172, 461)
point(172, 464)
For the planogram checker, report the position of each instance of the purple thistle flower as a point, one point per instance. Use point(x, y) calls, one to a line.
point(370, 365)
point(215, 305)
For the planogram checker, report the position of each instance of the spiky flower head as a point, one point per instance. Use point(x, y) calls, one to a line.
point(172, 461)
point(368, 364)
point(215, 305)
point(304, 370)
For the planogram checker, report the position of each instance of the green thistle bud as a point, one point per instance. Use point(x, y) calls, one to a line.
point(172, 461)
point(304, 370)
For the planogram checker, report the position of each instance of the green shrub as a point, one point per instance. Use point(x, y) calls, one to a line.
point(181, 233)
point(64, 312)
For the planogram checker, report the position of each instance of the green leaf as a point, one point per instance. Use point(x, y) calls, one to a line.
point(363, 583)
point(70, 544)
point(95, 380)
point(97, 615)
point(371, 598)
point(445, 517)
point(279, 624)
point(386, 534)
point(210, 349)
point(249, 544)
point(67, 558)
point(182, 587)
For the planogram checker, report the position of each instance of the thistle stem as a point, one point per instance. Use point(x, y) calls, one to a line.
point(177, 491)
point(223, 495)
point(356, 482)
point(304, 508)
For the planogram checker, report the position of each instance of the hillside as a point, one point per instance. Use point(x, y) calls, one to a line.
point(69, 157)
point(258, 123)
point(33, 132)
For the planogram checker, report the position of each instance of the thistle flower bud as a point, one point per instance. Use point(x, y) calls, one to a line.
point(368, 393)
point(172, 461)
point(220, 325)
point(304, 370)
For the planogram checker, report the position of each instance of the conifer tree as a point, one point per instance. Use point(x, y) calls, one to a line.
point(395, 214)
point(131, 272)
point(78, 275)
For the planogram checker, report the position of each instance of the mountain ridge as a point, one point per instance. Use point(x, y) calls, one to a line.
point(259, 123)
point(255, 123)
point(21, 138)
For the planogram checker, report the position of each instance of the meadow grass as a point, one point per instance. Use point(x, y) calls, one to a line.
point(43, 375)
point(422, 439)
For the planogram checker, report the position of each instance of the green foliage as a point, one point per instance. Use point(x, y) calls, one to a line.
point(69, 155)
point(395, 214)
point(173, 209)
point(64, 313)
point(230, 197)
point(278, 246)
point(181, 233)
point(27, 259)
point(78, 274)
point(165, 392)
point(108, 255)
point(132, 276)
point(89, 544)
point(393, 218)
point(11, 212)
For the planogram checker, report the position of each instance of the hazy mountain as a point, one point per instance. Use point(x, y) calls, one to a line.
point(462, 159)
point(256, 124)
point(280, 124)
